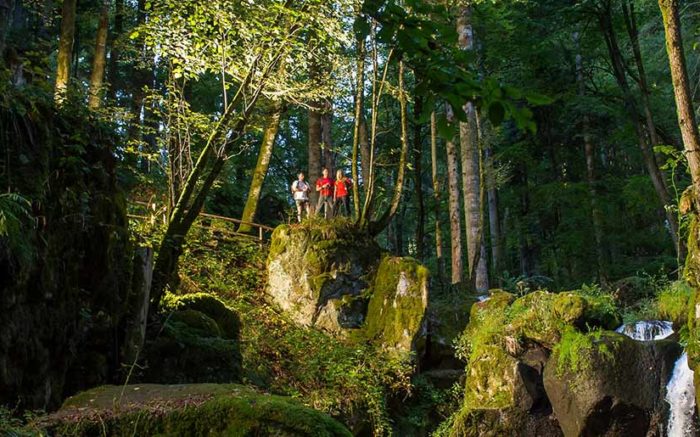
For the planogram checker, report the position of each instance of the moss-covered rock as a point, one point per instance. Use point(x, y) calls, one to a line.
point(314, 267)
point(189, 347)
point(507, 346)
point(396, 312)
point(606, 384)
point(226, 319)
point(179, 410)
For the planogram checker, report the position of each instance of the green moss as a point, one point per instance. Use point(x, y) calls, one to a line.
point(574, 351)
point(396, 310)
point(674, 302)
point(198, 322)
point(225, 318)
point(205, 409)
point(490, 382)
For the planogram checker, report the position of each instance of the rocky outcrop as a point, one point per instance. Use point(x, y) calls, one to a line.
point(333, 276)
point(197, 341)
point(180, 410)
point(613, 386)
point(507, 346)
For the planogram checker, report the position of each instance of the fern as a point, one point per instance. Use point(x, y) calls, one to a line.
point(15, 219)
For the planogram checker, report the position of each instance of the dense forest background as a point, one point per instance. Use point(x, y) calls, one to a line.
point(517, 145)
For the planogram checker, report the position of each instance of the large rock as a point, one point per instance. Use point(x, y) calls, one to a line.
point(197, 341)
point(186, 410)
point(317, 273)
point(507, 346)
point(333, 276)
point(396, 314)
point(606, 384)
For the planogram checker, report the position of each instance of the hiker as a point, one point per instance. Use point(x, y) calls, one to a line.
point(300, 191)
point(324, 185)
point(341, 197)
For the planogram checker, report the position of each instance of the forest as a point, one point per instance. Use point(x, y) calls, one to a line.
point(509, 246)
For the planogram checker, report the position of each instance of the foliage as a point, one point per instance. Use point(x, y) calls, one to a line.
point(15, 222)
point(674, 302)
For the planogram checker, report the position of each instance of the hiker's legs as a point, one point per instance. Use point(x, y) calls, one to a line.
point(346, 205)
point(299, 207)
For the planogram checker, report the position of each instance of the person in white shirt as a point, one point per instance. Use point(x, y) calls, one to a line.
point(300, 191)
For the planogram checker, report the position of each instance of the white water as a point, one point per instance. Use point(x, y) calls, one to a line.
point(680, 391)
point(647, 330)
point(680, 394)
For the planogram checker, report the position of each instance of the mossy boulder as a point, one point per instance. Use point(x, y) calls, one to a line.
point(226, 319)
point(396, 313)
point(190, 346)
point(606, 384)
point(318, 271)
point(507, 346)
point(179, 410)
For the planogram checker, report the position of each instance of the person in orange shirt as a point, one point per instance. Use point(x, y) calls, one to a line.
point(324, 185)
point(341, 195)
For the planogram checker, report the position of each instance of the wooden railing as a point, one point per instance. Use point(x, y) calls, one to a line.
point(261, 230)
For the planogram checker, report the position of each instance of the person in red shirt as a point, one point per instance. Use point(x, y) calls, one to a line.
point(324, 185)
point(341, 193)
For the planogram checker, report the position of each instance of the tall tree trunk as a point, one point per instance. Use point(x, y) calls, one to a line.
point(492, 199)
point(328, 157)
point(266, 147)
point(358, 123)
point(98, 62)
point(65, 50)
point(681, 88)
point(377, 226)
point(454, 209)
point(7, 7)
point(115, 52)
point(436, 197)
point(589, 153)
point(418, 177)
point(471, 171)
point(655, 174)
point(315, 137)
point(364, 152)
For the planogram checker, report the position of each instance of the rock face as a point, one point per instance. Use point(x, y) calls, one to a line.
point(618, 390)
point(198, 341)
point(317, 273)
point(179, 410)
point(330, 275)
point(507, 346)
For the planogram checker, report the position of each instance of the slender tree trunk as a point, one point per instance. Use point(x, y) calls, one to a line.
point(358, 125)
point(315, 137)
point(471, 171)
point(7, 7)
point(65, 50)
point(364, 152)
point(328, 155)
point(99, 61)
point(266, 148)
point(454, 209)
point(589, 152)
point(115, 52)
point(436, 197)
point(655, 173)
point(492, 200)
point(418, 177)
point(681, 88)
point(376, 227)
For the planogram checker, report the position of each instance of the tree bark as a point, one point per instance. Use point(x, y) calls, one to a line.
point(436, 197)
point(358, 124)
point(492, 200)
point(99, 60)
point(471, 171)
point(328, 155)
point(418, 177)
point(266, 147)
point(376, 227)
point(681, 88)
point(454, 209)
point(65, 50)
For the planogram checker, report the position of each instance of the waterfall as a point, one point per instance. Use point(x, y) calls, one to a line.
point(647, 330)
point(680, 394)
